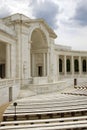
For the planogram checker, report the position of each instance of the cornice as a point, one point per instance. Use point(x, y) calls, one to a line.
point(41, 21)
point(7, 30)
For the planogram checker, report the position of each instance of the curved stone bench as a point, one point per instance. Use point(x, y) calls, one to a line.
point(4, 123)
point(56, 126)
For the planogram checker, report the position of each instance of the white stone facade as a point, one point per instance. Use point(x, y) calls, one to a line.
point(28, 52)
point(30, 60)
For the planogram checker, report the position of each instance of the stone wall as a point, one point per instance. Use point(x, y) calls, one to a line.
point(9, 90)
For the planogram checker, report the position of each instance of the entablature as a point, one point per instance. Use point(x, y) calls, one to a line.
point(7, 30)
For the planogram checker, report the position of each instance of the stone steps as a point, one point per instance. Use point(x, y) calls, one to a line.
point(48, 111)
point(46, 126)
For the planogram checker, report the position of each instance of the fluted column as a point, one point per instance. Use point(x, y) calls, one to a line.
point(48, 64)
point(29, 46)
point(8, 61)
point(65, 65)
point(58, 66)
point(72, 65)
point(44, 64)
point(32, 64)
point(80, 66)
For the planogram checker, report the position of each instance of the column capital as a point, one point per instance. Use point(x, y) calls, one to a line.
point(8, 61)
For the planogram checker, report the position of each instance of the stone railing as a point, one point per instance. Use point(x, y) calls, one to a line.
point(48, 87)
point(40, 80)
point(8, 82)
point(9, 90)
point(62, 77)
point(81, 81)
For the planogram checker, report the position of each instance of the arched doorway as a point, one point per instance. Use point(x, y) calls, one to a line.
point(39, 49)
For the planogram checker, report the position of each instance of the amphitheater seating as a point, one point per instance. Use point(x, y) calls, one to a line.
point(47, 112)
point(60, 125)
point(77, 90)
point(82, 85)
point(52, 120)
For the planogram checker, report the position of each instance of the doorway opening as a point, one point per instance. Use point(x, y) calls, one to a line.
point(38, 46)
point(40, 71)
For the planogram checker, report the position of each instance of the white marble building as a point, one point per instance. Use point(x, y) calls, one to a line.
point(26, 48)
point(28, 52)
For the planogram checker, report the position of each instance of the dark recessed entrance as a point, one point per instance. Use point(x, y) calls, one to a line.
point(39, 70)
point(2, 70)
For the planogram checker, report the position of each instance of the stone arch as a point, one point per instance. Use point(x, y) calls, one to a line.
point(41, 29)
point(39, 49)
point(38, 39)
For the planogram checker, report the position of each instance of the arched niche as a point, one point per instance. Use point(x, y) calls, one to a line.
point(39, 49)
point(39, 40)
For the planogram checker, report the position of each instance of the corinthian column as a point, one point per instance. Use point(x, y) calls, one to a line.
point(44, 65)
point(65, 65)
point(72, 64)
point(58, 66)
point(80, 66)
point(29, 46)
point(33, 62)
point(48, 64)
point(8, 62)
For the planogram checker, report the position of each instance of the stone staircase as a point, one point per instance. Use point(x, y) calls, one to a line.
point(26, 92)
point(80, 89)
point(52, 111)
point(81, 86)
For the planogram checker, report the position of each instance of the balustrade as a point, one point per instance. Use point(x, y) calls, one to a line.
point(8, 82)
